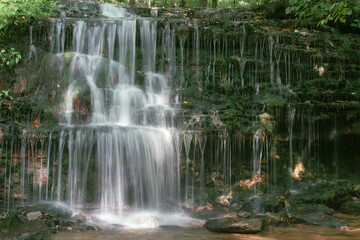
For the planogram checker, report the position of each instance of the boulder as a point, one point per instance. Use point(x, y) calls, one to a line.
point(11, 220)
point(33, 215)
point(351, 207)
point(314, 214)
point(223, 200)
point(272, 218)
point(241, 214)
point(15, 226)
point(80, 217)
point(235, 225)
point(52, 208)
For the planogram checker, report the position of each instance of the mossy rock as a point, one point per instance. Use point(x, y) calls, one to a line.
point(315, 214)
point(235, 225)
point(55, 209)
point(11, 220)
point(351, 207)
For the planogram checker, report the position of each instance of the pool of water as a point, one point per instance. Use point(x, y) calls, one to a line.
point(298, 231)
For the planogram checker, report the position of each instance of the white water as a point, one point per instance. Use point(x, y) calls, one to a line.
point(121, 156)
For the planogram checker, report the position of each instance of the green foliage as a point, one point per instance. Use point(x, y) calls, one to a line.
point(344, 11)
point(13, 12)
point(9, 58)
point(4, 94)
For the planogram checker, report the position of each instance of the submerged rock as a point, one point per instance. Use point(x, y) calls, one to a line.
point(235, 225)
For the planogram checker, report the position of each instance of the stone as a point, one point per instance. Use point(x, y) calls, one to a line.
point(223, 200)
point(272, 218)
point(52, 208)
point(241, 214)
point(235, 225)
point(93, 228)
point(80, 217)
point(315, 214)
point(30, 230)
point(351, 207)
point(11, 220)
point(33, 215)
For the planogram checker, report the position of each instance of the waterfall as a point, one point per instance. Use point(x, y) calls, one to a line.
point(122, 154)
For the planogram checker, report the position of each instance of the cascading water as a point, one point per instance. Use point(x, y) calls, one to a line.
point(122, 155)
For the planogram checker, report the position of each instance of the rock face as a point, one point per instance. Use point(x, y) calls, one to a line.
point(235, 225)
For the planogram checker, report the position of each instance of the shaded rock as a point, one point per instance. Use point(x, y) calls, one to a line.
point(333, 194)
point(235, 225)
point(276, 218)
point(55, 209)
point(319, 215)
point(93, 228)
point(11, 221)
point(244, 214)
point(351, 207)
point(66, 223)
point(241, 214)
point(33, 215)
point(34, 230)
point(80, 217)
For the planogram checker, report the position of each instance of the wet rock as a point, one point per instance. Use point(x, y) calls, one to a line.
point(272, 218)
point(54, 209)
point(11, 221)
point(351, 207)
point(223, 200)
point(169, 227)
point(333, 194)
point(93, 228)
point(241, 214)
point(66, 223)
point(235, 225)
point(80, 217)
point(319, 215)
point(17, 227)
point(33, 215)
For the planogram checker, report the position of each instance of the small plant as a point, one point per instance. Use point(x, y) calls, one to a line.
point(13, 12)
point(4, 94)
point(9, 58)
point(344, 11)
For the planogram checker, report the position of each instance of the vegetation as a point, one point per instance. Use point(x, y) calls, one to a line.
point(19, 12)
point(9, 57)
point(328, 11)
point(14, 12)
